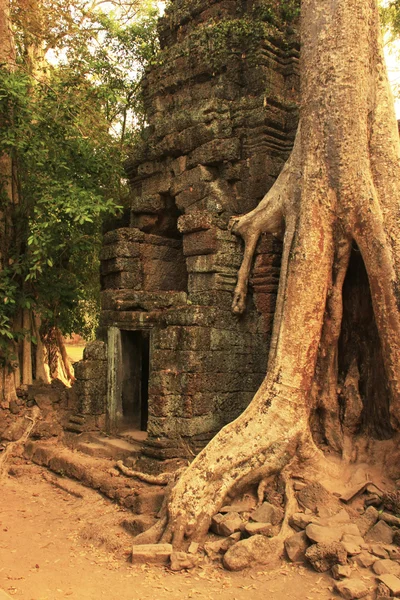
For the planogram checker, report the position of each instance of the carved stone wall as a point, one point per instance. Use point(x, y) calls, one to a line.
point(221, 117)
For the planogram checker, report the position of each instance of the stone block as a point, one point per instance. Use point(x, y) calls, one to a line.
point(161, 275)
point(392, 582)
point(215, 151)
point(201, 264)
point(90, 369)
point(191, 177)
point(352, 589)
point(259, 529)
point(95, 350)
point(193, 195)
point(123, 249)
point(365, 560)
point(123, 235)
point(341, 571)
point(226, 524)
point(195, 221)
point(324, 556)
point(184, 338)
point(385, 565)
point(257, 549)
point(148, 203)
point(124, 280)
point(200, 242)
point(158, 554)
point(296, 546)
point(381, 532)
point(268, 513)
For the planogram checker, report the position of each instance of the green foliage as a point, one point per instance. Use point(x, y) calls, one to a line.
point(390, 18)
point(67, 132)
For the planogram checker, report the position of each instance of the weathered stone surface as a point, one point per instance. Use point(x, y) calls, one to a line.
point(378, 551)
point(381, 533)
point(214, 550)
point(226, 524)
point(296, 546)
point(389, 519)
point(95, 350)
point(382, 591)
point(385, 565)
point(259, 528)
point(324, 556)
point(351, 548)
point(352, 588)
point(392, 582)
point(365, 559)
point(257, 549)
point(354, 539)
point(316, 498)
point(151, 554)
point(182, 560)
point(367, 520)
point(301, 520)
point(323, 535)
point(268, 513)
point(341, 571)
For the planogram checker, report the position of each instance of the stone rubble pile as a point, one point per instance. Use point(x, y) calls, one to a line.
point(357, 544)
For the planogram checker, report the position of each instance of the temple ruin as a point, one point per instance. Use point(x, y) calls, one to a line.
point(175, 363)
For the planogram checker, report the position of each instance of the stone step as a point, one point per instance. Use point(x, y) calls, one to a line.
point(80, 419)
point(109, 447)
point(98, 474)
point(74, 427)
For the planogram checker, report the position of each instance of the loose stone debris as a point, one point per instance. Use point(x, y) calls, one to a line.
point(353, 543)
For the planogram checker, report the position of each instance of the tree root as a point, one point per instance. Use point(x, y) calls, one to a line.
point(161, 479)
point(12, 447)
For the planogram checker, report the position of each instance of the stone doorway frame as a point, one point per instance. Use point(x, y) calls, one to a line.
point(114, 414)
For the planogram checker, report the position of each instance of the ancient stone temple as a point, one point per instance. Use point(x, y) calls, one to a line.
point(221, 114)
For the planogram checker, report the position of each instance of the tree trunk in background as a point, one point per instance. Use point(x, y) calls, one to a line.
point(8, 187)
point(336, 203)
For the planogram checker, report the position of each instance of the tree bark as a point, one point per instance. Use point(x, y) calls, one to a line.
point(336, 197)
point(9, 193)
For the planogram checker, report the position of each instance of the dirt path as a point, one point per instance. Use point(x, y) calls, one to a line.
point(54, 545)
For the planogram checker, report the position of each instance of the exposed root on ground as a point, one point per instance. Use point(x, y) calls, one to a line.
point(161, 479)
point(13, 447)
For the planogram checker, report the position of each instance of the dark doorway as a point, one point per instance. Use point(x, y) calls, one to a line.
point(135, 379)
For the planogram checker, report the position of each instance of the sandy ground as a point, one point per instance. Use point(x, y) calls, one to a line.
point(54, 545)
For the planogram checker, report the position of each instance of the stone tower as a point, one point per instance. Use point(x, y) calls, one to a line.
point(221, 113)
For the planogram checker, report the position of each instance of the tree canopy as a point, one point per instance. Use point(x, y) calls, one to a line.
point(70, 105)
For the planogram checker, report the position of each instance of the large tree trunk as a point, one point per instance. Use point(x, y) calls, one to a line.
point(9, 195)
point(336, 203)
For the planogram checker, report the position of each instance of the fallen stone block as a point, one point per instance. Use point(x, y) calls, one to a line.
point(155, 554)
point(301, 520)
point(214, 550)
point(257, 549)
point(259, 528)
point(341, 571)
point(323, 535)
point(351, 549)
point(367, 520)
point(226, 524)
point(385, 565)
point(365, 560)
point(381, 532)
point(392, 582)
point(378, 551)
point(352, 588)
point(182, 560)
point(296, 546)
point(324, 556)
point(268, 513)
